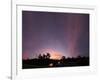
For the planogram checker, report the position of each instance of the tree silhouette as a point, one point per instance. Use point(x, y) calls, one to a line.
point(48, 56)
point(63, 58)
point(44, 60)
point(40, 56)
point(44, 56)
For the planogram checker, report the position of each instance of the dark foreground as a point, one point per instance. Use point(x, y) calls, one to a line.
point(47, 63)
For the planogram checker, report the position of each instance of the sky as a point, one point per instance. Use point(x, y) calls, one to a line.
point(60, 34)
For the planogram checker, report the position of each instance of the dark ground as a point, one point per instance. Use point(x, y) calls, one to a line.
point(50, 63)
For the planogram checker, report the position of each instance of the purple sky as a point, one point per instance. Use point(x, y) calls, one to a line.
point(65, 34)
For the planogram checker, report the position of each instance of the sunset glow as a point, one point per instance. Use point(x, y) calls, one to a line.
point(54, 54)
point(59, 34)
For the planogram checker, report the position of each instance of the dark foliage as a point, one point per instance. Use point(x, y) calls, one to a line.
point(44, 61)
